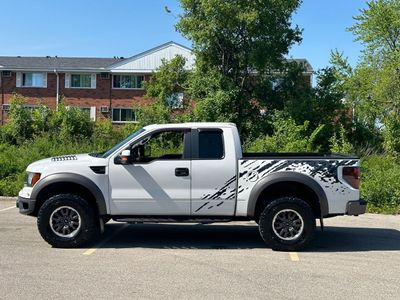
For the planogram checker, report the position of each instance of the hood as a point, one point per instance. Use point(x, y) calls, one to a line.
point(58, 161)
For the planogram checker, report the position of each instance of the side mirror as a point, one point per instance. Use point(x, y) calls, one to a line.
point(125, 157)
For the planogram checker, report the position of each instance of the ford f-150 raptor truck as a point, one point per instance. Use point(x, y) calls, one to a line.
point(190, 172)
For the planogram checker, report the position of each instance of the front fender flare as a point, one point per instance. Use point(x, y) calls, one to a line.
point(271, 179)
point(72, 178)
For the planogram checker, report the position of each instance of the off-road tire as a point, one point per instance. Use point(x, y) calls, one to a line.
point(89, 227)
point(300, 209)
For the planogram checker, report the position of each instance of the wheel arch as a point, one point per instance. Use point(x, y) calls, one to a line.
point(69, 183)
point(281, 183)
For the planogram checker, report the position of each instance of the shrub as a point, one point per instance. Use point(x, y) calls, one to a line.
point(339, 142)
point(71, 122)
point(104, 134)
point(287, 137)
point(14, 159)
point(380, 184)
point(20, 123)
point(391, 135)
point(42, 119)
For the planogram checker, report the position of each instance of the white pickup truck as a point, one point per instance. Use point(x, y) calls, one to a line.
point(191, 172)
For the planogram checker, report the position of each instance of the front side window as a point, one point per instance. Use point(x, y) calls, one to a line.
point(211, 144)
point(33, 79)
point(123, 115)
point(120, 144)
point(161, 145)
point(127, 81)
point(81, 80)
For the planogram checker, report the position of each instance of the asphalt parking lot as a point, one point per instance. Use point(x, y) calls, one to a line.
point(356, 257)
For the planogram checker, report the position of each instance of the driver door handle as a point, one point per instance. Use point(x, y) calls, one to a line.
point(181, 172)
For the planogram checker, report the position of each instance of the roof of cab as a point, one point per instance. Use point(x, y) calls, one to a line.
point(191, 125)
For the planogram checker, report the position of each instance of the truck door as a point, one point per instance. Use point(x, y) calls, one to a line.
point(213, 172)
point(157, 182)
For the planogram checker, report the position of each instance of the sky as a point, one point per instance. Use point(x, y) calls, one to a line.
point(104, 28)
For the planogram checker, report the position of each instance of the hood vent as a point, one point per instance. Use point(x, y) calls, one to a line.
point(64, 158)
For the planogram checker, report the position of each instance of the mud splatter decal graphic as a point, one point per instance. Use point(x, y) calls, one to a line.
point(324, 171)
point(226, 192)
point(251, 171)
point(222, 194)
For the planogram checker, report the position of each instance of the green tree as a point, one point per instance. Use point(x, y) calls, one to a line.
point(20, 124)
point(171, 79)
point(378, 28)
point(237, 44)
point(374, 85)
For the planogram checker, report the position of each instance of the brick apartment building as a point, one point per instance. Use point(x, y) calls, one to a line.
point(104, 87)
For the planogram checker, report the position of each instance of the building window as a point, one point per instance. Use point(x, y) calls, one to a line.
point(175, 101)
point(90, 111)
point(6, 73)
point(85, 110)
point(30, 107)
point(82, 81)
point(123, 115)
point(30, 79)
point(127, 81)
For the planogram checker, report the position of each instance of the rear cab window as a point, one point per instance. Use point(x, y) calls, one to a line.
point(210, 144)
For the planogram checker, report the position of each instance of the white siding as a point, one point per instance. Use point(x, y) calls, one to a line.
point(151, 61)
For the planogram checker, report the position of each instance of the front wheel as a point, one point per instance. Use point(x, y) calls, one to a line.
point(67, 221)
point(287, 224)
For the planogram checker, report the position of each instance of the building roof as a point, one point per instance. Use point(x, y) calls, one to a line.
point(51, 63)
point(145, 62)
point(307, 65)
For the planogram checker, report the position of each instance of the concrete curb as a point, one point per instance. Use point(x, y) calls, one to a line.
point(2, 198)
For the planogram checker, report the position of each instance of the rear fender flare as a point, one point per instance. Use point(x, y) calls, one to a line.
point(271, 179)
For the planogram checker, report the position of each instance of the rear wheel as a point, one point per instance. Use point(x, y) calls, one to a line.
point(66, 221)
point(287, 224)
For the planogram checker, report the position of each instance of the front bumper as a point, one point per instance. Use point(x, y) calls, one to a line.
point(26, 206)
point(355, 208)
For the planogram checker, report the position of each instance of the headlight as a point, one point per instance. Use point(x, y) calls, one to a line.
point(31, 179)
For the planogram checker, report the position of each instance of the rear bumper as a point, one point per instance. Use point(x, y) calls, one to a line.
point(26, 206)
point(355, 208)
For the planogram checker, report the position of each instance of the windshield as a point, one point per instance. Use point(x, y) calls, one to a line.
point(107, 153)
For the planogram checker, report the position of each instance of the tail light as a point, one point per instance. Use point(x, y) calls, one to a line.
point(352, 176)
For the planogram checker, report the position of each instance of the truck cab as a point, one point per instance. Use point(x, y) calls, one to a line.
point(189, 172)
